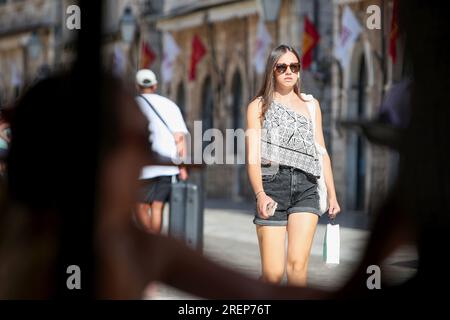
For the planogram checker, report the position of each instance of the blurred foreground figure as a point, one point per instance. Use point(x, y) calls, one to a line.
point(417, 211)
point(46, 179)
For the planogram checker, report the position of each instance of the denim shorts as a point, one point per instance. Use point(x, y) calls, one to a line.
point(294, 190)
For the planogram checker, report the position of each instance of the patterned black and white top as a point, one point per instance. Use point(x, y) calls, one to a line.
point(287, 138)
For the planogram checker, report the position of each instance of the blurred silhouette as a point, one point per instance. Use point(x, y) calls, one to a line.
point(45, 172)
point(396, 104)
point(417, 210)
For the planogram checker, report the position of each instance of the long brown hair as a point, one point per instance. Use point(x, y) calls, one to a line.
point(268, 86)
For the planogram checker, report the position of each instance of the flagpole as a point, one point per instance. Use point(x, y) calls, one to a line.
point(316, 8)
point(383, 49)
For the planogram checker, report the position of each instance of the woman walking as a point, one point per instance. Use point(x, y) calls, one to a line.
point(284, 168)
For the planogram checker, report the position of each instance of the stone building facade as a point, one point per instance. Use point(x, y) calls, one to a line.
point(35, 40)
point(226, 79)
point(27, 42)
point(361, 169)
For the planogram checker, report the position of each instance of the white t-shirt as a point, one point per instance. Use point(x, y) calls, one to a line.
point(161, 138)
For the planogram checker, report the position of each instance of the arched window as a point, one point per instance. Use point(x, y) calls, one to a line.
point(360, 142)
point(236, 90)
point(356, 146)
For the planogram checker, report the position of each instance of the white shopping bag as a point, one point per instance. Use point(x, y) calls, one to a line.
point(331, 244)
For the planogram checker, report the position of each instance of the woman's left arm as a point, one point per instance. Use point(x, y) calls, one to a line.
point(327, 171)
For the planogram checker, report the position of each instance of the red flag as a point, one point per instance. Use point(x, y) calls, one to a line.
point(310, 39)
point(393, 35)
point(198, 51)
point(147, 55)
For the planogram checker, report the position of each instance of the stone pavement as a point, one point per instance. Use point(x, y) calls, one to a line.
point(230, 239)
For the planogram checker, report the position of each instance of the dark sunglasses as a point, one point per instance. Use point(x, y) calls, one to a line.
point(281, 68)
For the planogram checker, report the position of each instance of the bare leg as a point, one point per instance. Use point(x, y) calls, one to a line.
point(301, 228)
point(157, 216)
point(272, 250)
point(143, 216)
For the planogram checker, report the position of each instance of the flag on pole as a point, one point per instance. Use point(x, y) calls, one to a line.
point(170, 53)
point(310, 40)
point(350, 30)
point(198, 51)
point(393, 35)
point(263, 41)
point(148, 56)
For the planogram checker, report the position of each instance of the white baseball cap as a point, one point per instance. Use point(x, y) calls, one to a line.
point(146, 78)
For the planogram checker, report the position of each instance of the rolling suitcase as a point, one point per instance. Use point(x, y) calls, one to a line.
point(186, 214)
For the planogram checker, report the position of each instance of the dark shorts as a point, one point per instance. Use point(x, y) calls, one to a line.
point(155, 189)
point(294, 190)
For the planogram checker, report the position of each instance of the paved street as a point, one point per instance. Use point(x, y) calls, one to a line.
point(230, 239)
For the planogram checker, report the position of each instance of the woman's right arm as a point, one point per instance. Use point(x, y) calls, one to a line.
point(253, 154)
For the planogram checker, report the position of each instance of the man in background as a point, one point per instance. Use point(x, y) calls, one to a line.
point(167, 138)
